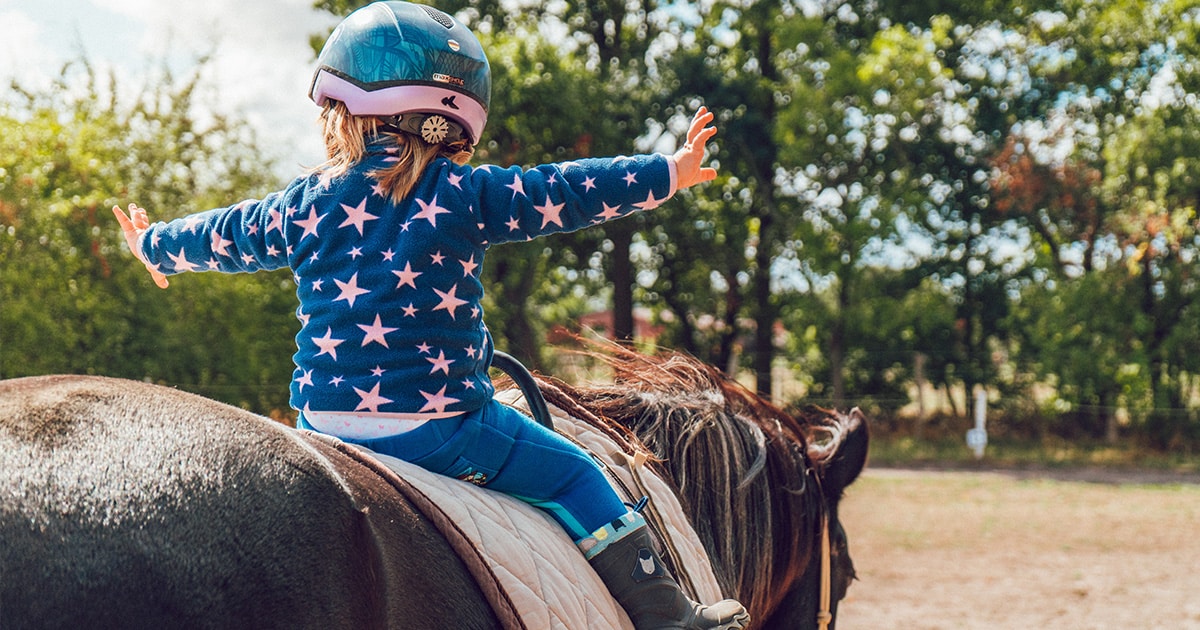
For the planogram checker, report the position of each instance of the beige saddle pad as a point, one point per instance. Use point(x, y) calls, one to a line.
point(535, 564)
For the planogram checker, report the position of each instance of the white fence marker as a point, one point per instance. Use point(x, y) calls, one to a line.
point(977, 437)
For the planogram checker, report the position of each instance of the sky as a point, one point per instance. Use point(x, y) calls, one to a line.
point(260, 71)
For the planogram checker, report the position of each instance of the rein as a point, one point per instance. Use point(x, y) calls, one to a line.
point(824, 616)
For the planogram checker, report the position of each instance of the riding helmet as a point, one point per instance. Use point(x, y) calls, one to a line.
point(410, 62)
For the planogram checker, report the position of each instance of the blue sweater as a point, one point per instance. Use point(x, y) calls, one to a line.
point(391, 321)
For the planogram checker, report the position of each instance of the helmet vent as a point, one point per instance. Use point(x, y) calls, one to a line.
point(439, 17)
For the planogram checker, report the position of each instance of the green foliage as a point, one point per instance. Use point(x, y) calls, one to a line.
point(72, 299)
point(1006, 189)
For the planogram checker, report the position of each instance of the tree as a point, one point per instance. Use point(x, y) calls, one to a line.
point(71, 301)
point(1107, 185)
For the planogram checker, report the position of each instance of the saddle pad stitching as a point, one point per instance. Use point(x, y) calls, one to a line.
point(473, 558)
point(538, 602)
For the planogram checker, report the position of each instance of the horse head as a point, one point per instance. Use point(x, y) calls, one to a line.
point(837, 448)
point(760, 485)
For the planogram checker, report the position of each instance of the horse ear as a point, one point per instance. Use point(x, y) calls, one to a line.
point(851, 456)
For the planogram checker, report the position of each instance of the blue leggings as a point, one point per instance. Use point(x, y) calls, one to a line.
point(502, 449)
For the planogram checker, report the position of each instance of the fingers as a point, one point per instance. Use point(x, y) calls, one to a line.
point(141, 220)
point(159, 279)
point(133, 225)
point(137, 219)
point(690, 156)
point(702, 136)
point(698, 132)
point(126, 223)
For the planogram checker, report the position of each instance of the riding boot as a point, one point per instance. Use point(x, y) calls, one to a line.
point(623, 555)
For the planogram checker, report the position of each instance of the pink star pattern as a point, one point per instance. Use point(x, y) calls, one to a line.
point(469, 266)
point(550, 213)
point(441, 363)
point(328, 344)
point(650, 203)
point(450, 301)
point(357, 215)
point(376, 332)
point(610, 212)
point(350, 290)
point(390, 315)
point(437, 402)
point(429, 211)
point(220, 245)
point(370, 400)
point(305, 379)
point(181, 262)
point(310, 224)
point(407, 276)
point(517, 186)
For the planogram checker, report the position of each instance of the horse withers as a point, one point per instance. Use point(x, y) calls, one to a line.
point(130, 505)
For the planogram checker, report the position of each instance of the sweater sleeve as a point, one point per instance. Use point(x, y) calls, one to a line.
point(518, 205)
point(244, 237)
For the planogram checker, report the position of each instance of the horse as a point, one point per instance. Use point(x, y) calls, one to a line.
point(126, 504)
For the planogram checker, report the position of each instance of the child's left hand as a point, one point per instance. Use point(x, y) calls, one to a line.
point(133, 225)
point(688, 158)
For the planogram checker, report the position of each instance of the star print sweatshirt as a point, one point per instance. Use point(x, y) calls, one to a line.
point(391, 321)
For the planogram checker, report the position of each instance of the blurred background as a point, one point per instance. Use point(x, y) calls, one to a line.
point(920, 204)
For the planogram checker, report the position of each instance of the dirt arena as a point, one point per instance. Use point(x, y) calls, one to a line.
point(984, 550)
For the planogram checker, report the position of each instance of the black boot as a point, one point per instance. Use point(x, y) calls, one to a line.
point(623, 555)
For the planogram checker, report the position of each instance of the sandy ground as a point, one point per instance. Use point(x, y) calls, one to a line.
point(977, 550)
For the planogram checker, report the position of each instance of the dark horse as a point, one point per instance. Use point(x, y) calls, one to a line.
point(124, 504)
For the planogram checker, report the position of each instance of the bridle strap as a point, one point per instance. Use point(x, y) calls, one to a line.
point(824, 616)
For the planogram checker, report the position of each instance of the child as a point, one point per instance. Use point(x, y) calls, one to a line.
point(385, 240)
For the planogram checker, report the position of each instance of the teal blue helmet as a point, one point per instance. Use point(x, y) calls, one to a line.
point(398, 59)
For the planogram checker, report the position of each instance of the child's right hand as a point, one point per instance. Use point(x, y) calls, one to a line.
point(134, 225)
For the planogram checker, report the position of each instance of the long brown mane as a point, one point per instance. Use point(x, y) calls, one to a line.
point(745, 470)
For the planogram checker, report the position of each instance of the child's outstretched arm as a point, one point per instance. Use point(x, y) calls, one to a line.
point(690, 156)
point(133, 225)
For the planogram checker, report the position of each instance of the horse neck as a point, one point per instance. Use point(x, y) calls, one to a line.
point(750, 493)
point(745, 483)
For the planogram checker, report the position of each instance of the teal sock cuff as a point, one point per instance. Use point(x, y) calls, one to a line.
point(610, 533)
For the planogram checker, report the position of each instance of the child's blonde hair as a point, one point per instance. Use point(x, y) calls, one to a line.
point(346, 143)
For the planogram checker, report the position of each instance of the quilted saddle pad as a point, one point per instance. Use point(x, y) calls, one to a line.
point(539, 575)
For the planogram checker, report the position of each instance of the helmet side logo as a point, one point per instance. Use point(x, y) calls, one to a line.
point(452, 44)
point(449, 102)
point(445, 78)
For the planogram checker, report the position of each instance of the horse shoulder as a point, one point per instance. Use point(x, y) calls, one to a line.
point(127, 501)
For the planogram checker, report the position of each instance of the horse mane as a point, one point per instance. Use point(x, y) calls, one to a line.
point(746, 472)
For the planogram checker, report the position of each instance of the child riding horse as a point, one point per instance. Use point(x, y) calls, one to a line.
point(385, 240)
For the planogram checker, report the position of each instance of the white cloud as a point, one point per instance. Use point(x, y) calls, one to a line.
point(260, 67)
point(21, 54)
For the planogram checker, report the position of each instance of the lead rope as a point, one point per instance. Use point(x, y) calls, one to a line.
point(824, 616)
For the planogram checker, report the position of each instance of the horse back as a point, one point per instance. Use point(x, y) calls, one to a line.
point(124, 504)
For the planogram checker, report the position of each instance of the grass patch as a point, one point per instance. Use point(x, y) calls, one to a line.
point(1052, 453)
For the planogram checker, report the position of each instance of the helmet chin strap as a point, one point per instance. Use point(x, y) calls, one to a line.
point(432, 128)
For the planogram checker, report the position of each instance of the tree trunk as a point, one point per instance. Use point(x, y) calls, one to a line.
point(765, 158)
point(837, 344)
point(621, 235)
point(764, 343)
point(725, 357)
